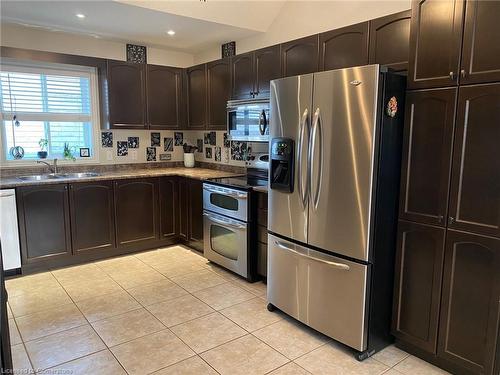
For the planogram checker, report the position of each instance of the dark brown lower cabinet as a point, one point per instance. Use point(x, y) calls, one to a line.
point(470, 307)
point(417, 284)
point(183, 208)
point(92, 216)
point(44, 223)
point(169, 207)
point(136, 211)
point(195, 230)
point(262, 234)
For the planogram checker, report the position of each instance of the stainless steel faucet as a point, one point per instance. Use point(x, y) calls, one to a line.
point(52, 168)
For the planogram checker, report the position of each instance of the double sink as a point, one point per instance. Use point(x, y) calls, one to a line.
point(52, 176)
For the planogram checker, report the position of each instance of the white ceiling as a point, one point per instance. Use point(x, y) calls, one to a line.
point(198, 25)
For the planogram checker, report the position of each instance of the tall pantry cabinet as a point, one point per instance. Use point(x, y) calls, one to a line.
point(447, 286)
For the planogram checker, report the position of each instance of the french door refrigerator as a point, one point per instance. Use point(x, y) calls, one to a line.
point(335, 155)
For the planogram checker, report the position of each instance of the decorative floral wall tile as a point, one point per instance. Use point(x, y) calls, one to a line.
point(179, 138)
point(208, 152)
point(122, 148)
point(238, 150)
point(199, 145)
point(206, 138)
point(226, 141)
point(155, 140)
point(107, 139)
point(213, 138)
point(133, 142)
point(218, 154)
point(136, 54)
point(150, 154)
point(168, 144)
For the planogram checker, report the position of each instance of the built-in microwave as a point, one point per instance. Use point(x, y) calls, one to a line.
point(248, 120)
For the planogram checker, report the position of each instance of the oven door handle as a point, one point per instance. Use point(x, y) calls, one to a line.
point(341, 266)
point(232, 195)
point(224, 222)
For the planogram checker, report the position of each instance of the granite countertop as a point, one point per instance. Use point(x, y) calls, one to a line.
point(197, 173)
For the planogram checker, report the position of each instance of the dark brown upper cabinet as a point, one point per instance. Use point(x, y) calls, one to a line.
point(164, 97)
point(219, 87)
point(196, 86)
point(251, 72)
point(242, 76)
point(475, 187)
point(435, 40)
point(136, 211)
point(426, 158)
point(267, 67)
point(481, 43)
point(44, 223)
point(169, 207)
point(344, 47)
point(417, 284)
point(389, 40)
point(92, 216)
point(127, 95)
point(300, 56)
point(470, 309)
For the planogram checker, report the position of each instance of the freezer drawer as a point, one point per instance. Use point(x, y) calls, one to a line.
point(325, 292)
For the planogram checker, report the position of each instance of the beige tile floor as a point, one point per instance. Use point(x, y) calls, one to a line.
point(169, 311)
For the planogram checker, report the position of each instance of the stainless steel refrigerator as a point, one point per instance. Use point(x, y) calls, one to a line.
point(335, 149)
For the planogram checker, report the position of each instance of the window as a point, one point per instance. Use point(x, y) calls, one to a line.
point(50, 103)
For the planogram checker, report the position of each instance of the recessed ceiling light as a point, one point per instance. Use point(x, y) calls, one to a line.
point(80, 15)
point(171, 32)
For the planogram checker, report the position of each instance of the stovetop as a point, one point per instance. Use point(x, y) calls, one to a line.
point(243, 182)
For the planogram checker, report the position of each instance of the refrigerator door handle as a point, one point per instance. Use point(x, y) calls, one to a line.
point(316, 130)
point(340, 266)
point(304, 125)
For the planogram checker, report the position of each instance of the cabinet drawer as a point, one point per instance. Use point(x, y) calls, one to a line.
point(262, 217)
point(261, 234)
point(262, 259)
point(262, 201)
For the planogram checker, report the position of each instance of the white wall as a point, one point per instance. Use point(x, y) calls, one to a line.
point(43, 40)
point(302, 18)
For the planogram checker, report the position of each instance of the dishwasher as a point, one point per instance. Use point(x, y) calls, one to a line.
point(9, 231)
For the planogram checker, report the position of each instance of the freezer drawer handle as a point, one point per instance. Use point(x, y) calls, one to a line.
point(224, 222)
point(341, 266)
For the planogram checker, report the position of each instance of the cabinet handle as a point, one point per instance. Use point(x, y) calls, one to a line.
point(463, 73)
point(440, 218)
point(451, 220)
point(251, 93)
point(452, 76)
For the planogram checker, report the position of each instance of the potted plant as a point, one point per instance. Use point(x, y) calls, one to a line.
point(189, 155)
point(68, 152)
point(43, 143)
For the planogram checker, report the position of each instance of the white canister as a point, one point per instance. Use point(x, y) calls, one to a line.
point(189, 160)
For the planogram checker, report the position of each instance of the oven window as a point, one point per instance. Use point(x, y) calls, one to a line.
point(223, 201)
point(224, 241)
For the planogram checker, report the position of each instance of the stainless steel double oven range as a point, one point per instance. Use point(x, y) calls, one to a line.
point(228, 222)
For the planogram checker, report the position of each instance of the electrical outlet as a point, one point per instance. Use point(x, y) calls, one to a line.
point(109, 155)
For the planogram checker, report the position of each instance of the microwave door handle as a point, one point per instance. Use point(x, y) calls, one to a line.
point(341, 266)
point(262, 123)
point(224, 222)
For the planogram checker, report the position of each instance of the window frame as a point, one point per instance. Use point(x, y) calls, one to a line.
point(57, 69)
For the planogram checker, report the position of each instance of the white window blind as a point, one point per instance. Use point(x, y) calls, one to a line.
point(52, 104)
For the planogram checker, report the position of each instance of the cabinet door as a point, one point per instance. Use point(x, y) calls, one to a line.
point(344, 47)
point(417, 284)
point(300, 56)
point(164, 97)
point(242, 76)
point(389, 40)
point(475, 187)
point(169, 209)
point(267, 68)
point(127, 95)
point(195, 188)
point(219, 86)
point(44, 225)
point(136, 210)
point(92, 216)
point(435, 40)
point(481, 44)
point(197, 96)
point(183, 208)
point(470, 302)
point(427, 149)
